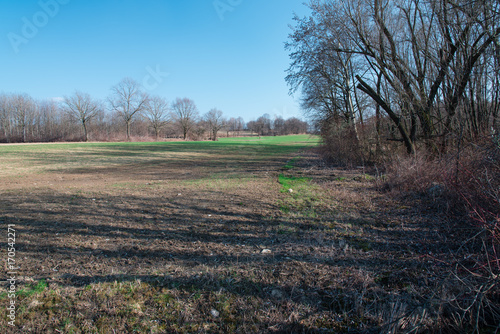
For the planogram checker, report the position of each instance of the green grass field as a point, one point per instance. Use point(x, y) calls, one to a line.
point(17, 160)
point(243, 235)
point(153, 237)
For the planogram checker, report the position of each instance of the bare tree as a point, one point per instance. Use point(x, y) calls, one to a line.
point(186, 114)
point(51, 120)
point(235, 125)
point(232, 125)
point(279, 125)
point(215, 121)
point(157, 112)
point(295, 126)
point(82, 107)
point(5, 117)
point(240, 124)
point(263, 125)
point(325, 77)
point(127, 100)
point(22, 108)
point(254, 127)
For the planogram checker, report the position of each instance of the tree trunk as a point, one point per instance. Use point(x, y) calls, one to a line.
point(128, 130)
point(378, 149)
point(85, 134)
point(409, 144)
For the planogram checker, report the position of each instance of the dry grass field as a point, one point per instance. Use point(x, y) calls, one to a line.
point(238, 236)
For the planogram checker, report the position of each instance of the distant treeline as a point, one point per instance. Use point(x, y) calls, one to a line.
point(128, 114)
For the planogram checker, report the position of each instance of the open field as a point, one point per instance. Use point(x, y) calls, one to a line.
point(241, 235)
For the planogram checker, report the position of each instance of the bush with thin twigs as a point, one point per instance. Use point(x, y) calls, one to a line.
point(467, 181)
point(417, 173)
point(341, 146)
point(476, 186)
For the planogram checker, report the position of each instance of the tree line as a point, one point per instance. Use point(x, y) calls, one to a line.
point(421, 73)
point(127, 113)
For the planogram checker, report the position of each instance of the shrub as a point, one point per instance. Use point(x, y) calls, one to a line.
point(341, 147)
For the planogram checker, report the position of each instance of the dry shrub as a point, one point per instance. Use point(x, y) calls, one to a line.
point(419, 173)
point(476, 186)
point(469, 181)
point(477, 180)
point(341, 147)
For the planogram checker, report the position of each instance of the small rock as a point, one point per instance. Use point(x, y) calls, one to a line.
point(290, 190)
point(214, 313)
point(266, 251)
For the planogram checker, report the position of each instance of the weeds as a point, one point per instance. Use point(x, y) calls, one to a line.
point(32, 289)
point(465, 184)
point(291, 163)
point(290, 182)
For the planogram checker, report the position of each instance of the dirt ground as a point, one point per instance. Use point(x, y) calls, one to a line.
point(217, 241)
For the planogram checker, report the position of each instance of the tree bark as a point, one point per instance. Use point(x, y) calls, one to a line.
point(364, 87)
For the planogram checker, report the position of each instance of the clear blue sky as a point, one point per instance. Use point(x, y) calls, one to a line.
point(230, 57)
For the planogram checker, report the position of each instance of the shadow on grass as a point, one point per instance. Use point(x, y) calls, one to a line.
point(134, 233)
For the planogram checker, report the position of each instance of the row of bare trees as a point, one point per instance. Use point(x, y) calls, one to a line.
point(24, 119)
point(265, 126)
point(127, 110)
point(420, 71)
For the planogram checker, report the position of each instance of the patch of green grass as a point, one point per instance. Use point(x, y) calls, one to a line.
point(285, 229)
point(305, 197)
point(290, 182)
point(32, 289)
point(291, 163)
point(364, 177)
point(368, 177)
point(285, 208)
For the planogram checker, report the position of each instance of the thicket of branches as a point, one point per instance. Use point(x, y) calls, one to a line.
point(421, 72)
point(128, 114)
point(414, 84)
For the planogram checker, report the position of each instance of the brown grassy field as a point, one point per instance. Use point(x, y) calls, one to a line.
point(239, 236)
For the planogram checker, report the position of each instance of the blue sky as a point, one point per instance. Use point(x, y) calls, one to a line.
point(228, 56)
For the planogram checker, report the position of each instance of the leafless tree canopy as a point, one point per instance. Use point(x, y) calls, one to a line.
point(127, 99)
point(431, 66)
point(215, 121)
point(186, 114)
point(82, 107)
point(17, 116)
point(157, 112)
